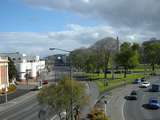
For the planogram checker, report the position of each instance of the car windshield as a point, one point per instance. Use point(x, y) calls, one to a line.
point(145, 83)
point(154, 101)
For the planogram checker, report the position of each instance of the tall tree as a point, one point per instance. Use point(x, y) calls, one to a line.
point(78, 58)
point(151, 53)
point(127, 57)
point(105, 48)
point(11, 70)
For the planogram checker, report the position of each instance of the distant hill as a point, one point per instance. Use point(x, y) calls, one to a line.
point(107, 43)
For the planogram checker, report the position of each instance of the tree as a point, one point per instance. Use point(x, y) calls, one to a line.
point(59, 97)
point(106, 48)
point(11, 70)
point(95, 58)
point(127, 57)
point(78, 58)
point(151, 54)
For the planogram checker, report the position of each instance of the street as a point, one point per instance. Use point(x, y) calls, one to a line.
point(18, 93)
point(135, 110)
point(29, 108)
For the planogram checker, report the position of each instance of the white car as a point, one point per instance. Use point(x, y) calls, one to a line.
point(145, 84)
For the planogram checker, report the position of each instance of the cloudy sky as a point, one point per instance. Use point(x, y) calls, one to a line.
point(35, 25)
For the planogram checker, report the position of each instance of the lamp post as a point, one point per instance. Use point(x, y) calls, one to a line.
point(70, 75)
point(105, 107)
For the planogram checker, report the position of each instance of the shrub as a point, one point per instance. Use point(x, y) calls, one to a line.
point(97, 114)
point(11, 88)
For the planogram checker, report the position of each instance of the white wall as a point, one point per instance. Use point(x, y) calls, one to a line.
point(25, 63)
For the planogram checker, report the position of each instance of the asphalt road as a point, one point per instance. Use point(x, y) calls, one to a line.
point(18, 93)
point(29, 109)
point(137, 110)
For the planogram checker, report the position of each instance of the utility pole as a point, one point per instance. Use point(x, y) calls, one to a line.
point(71, 89)
point(6, 77)
point(6, 96)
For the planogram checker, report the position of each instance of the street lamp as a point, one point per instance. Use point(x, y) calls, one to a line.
point(70, 76)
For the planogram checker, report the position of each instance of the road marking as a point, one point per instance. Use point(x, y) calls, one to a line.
point(123, 116)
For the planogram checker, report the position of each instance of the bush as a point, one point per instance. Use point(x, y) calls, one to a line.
point(11, 88)
point(97, 114)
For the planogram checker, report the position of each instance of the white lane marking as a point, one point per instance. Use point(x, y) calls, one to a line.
point(123, 114)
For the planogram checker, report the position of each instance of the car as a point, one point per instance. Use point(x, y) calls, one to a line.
point(38, 87)
point(155, 88)
point(154, 103)
point(145, 84)
point(131, 97)
point(133, 92)
point(143, 79)
point(45, 82)
point(137, 81)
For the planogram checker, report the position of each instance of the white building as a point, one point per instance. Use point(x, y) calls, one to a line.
point(27, 66)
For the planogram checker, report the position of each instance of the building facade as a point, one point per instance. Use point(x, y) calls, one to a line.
point(28, 66)
point(4, 80)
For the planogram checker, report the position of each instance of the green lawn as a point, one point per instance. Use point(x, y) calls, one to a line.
point(117, 82)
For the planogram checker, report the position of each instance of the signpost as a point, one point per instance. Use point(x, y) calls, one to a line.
point(6, 90)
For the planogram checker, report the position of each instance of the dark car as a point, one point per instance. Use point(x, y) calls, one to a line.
point(134, 92)
point(132, 97)
point(154, 104)
point(143, 79)
point(45, 82)
point(137, 81)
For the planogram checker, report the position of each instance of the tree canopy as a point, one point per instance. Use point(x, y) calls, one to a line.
point(127, 57)
point(151, 53)
point(59, 96)
point(11, 69)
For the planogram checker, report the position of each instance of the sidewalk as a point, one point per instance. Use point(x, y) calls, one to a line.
point(30, 82)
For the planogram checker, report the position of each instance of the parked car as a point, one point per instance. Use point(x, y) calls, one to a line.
point(145, 84)
point(45, 82)
point(154, 104)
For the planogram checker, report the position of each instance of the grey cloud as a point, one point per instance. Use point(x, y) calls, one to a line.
point(118, 13)
point(73, 37)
